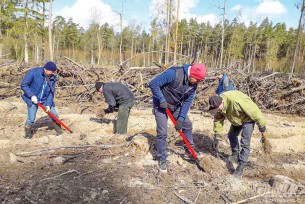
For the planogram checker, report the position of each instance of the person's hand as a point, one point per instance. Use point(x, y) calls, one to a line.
point(262, 129)
point(215, 143)
point(34, 99)
point(47, 109)
point(171, 107)
point(163, 105)
point(178, 126)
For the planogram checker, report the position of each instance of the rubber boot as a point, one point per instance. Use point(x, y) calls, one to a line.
point(234, 156)
point(28, 132)
point(239, 169)
point(57, 128)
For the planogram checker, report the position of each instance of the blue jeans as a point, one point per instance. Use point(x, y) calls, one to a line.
point(161, 120)
point(246, 130)
point(32, 114)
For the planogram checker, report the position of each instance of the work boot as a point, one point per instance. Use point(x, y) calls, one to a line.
point(163, 166)
point(28, 132)
point(234, 157)
point(188, 155)
point(57, 128)
point(239, 169)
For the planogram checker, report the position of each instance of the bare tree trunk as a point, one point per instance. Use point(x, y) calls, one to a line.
point(298, 40)
point(1, 30)
point(189, 47)
point(253, 58)
point(181, 45)
point(92, 53)
point(57, 46)
point(168, 19)
point(161, 55)
point(223, 32)
point(121, 26)
point(206, 50)
point(99, 42)
point(43, 36)
point(37, 53)
point(53, 48)
point(50, 31)
point(26, 48)
point(176, 35)
point(143, 51)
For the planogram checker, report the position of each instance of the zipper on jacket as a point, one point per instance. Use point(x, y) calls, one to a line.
point(42, 90)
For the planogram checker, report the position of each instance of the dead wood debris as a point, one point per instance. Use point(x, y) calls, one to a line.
point(271, 91)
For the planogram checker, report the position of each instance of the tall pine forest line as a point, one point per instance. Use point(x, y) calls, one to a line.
point(257, 47)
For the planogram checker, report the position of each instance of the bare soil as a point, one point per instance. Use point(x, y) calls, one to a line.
point(93, 169)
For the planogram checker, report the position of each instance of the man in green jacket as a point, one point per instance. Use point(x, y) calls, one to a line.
point(243, 113)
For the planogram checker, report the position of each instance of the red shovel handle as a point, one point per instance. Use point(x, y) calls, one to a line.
point(54, 117)
point(181, 133)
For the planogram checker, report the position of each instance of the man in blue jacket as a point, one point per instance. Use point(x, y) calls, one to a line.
point(175, 89)
point(38, 85)
point(224, 84)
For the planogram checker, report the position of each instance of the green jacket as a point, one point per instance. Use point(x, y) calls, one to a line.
point(238, 108)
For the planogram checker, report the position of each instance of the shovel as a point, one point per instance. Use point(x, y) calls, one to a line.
point(207, 163)
point(54, 117)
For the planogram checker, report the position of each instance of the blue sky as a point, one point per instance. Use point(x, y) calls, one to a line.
point(140, 12)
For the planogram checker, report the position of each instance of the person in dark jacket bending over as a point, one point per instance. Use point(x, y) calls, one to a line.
point(38, 85)
point(117, 95)
point(175, 89)
point(224, 84)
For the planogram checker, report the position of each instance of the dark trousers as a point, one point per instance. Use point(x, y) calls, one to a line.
point(120, 126)
point(246, 133)
point(161, 120)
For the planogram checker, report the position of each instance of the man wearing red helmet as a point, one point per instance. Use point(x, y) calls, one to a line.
point(175, 89)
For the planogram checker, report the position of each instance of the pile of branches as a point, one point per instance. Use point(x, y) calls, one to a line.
point(271, 91)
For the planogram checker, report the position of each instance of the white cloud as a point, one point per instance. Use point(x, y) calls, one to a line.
point(238, 7)
point(270, 7)
point(185, 12)
point(84, 12)
point(158, 9)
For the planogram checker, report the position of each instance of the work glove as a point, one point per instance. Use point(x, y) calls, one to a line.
point(109, 110)
point(163, 105)
point(178, 126)
point(262, 129)
point(47, 109)
point(215, 143)
point(34, 99)
point(171, 107)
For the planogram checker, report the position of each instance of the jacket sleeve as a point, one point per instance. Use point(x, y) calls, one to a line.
point(162, 79)
point(109, 98)
point(226, 84)
point(218, 122)
point(186, 106)
point(50, 98)
point(252, 110)
point(26, 82)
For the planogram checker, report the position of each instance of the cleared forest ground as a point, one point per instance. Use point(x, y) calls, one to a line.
point(96, 166)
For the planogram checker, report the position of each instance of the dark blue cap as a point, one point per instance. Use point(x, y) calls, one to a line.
point(51, 66)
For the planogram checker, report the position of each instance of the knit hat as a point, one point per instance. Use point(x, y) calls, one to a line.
point(198, 71)
point(214, 103)
point(51, 66)
point(98, 85)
